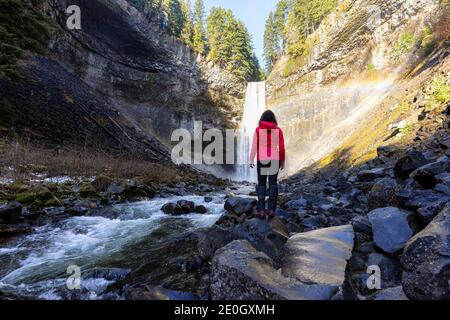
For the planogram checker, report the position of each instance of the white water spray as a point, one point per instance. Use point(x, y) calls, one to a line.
point(255, 105)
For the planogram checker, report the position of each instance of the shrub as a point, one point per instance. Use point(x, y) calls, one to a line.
point(405, 44)
point(441, 90)
point(427, 40)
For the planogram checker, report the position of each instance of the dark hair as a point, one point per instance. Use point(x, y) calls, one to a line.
point(268, 116)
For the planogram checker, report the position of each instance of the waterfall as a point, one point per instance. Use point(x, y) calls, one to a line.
point(255, 105)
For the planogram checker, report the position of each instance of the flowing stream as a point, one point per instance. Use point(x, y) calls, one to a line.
point(119, 237)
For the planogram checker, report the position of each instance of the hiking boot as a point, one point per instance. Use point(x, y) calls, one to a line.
point(270, 214)
point(260, 214)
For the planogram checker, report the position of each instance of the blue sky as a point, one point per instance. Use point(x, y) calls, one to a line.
point(254, 14)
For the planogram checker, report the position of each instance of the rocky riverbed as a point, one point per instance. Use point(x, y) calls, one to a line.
point(200, 240)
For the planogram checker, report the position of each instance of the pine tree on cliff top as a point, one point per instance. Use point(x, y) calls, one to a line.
point(187, 34)
point(175, 16)
point(199, 41)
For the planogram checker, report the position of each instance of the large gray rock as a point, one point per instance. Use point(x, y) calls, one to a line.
point(148, 293)
point(395, 293)
point(239, 272)
point(430, 210)
point(407, 164)
point(371, 174)
point(391, 274)
point(212, 239)
point(319, 256)
point(238, 205)
point(382, 194)
point(426, 261)
point(427, 174)
point(266, 236)
point(296, 204)
point(391, 228)
point(10, 212)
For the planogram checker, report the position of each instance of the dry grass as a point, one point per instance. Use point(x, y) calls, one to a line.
point(19, 159)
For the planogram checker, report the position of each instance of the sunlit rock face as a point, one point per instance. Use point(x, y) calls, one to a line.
point(321, 98)
point(316, 123)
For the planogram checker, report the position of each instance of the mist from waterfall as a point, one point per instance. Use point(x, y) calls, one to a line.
point(319, 121)
point(254, 106)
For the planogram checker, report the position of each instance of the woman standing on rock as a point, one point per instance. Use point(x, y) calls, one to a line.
point(268, 148)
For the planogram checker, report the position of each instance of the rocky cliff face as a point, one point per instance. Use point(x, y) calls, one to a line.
point(121, 75)
point(363, 54)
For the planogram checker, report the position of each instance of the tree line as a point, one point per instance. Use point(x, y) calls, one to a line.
point(220, 37)
point(290, 24)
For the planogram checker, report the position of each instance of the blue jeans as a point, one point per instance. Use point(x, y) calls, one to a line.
point(267, 171)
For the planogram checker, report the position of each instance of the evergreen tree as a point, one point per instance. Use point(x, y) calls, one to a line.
point(187, 34)
point(280, 18)
point(199, 41)
point(303, 19)
point(270, 42)
point(175, 18)
point(230, 44)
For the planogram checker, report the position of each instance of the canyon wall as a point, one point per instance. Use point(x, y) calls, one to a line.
point(355, 60)
point(119, 82)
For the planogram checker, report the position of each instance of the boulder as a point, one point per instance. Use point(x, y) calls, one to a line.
point(13, 230)
point(382, 194)
point(319, 256)
point(115, 188)
point(426, 175)
point(391, 274)
point(296, 204)
point(413, 200)
point(37, 197)
point(87, 190)
point(212, 239)
point(391, 228)
point(149, 293)
point(362, 224)
point(443, 178)
point(102, 183)
point(386, 151)
point(172, 209)
point(238, 205)
point(426, 261)
point(314, 222)
point(443, 188)
point(10, 212)
point(430, 210)
point(407, 164)
point(186, 206)
point(239, 272)
point(200, 209)
point(292, 219)
point(371, 174)
point(266, 236)
point(395, 293)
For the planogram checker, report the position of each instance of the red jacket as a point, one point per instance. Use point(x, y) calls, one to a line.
point(262, 142)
